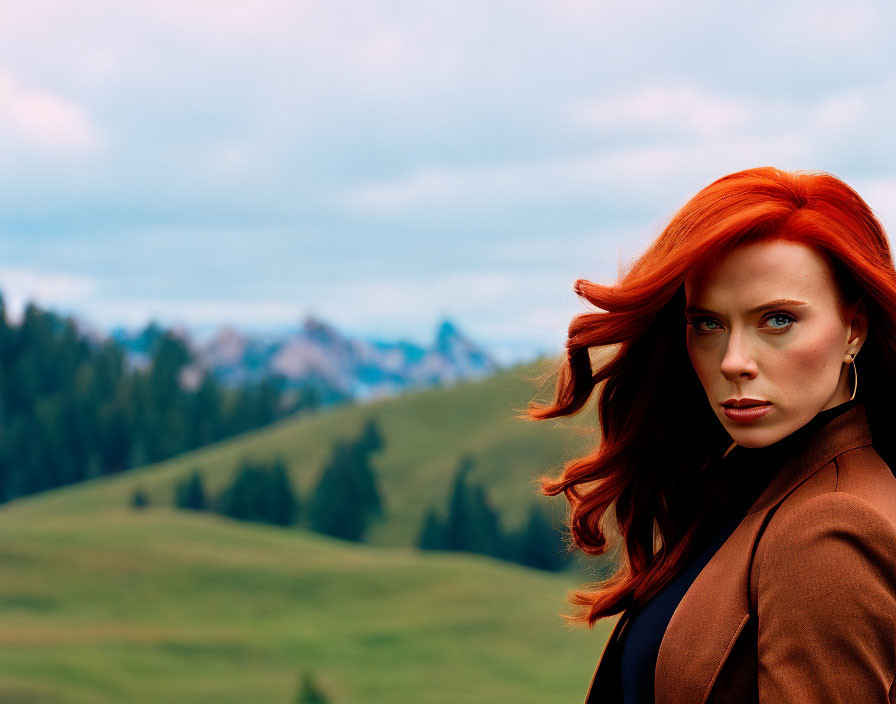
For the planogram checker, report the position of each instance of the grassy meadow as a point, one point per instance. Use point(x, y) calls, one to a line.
point(100, 602)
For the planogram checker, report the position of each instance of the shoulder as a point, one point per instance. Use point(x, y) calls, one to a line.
point(856, 483)
point(862, 473)
point(826, 586)
point(840, 521)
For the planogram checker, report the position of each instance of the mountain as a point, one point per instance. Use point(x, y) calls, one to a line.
point(317, 353)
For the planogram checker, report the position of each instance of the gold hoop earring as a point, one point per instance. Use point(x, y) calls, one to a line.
point(855, 377)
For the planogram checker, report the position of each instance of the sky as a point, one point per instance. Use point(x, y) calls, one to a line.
point(385, 165)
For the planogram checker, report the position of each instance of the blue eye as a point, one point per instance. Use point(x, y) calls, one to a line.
point(776, 321)
point(698, 320)
point(788, 320)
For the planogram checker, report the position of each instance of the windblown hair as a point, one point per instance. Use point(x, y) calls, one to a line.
point(658, 430)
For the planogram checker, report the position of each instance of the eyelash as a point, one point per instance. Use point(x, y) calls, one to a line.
point(777, 314)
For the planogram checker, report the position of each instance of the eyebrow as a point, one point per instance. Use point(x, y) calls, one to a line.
point(777, 303)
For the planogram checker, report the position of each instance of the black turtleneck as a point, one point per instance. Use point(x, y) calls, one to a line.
point(642, 640)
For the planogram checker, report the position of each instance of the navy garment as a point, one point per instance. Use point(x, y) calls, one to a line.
point(641, 643)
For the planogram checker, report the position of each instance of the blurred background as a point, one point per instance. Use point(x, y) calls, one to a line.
point(277, 276)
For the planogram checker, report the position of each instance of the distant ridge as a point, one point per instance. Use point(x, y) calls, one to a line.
point(317, 352)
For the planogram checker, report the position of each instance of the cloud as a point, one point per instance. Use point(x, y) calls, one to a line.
point(880, 194)
point(620, 173)
point(20, 285)
point(348, 143)
point(660, 107)
point(494, 300)
point(679, 132)
point(686, 108)
point(197, 312)
point(834, 26)
point(43, 119)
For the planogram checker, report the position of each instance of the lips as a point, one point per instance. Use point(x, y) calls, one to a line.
point(745, 410)
point(744, 402)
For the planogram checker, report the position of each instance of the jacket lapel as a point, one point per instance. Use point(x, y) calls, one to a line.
point(716, 607)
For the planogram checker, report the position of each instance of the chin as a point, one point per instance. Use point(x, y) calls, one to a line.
point(751, 440)
point(752, 437)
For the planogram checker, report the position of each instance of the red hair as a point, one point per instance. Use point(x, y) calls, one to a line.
point(646, 470)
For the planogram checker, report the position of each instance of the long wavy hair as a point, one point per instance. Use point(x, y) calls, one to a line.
point(642, 490)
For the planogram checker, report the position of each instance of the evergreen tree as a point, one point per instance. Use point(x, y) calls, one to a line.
point(262, 493)
point(335, 507)
point(371, 438)
point(432, 532)
point(309, 692)
point(458, 524)
point(167, 406)
point(539, 544)
point(206, 413)
point(189, 493)
point(139, 499)
point(73, 408)
point(244, 498)
point(282, 503)
point(346, 497)
point(472, 524)
point(115, 432)
point(488, 538)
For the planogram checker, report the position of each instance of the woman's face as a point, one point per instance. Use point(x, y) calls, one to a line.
point(765, 324)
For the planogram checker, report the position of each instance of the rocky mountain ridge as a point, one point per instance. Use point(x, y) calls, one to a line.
point(317, 352)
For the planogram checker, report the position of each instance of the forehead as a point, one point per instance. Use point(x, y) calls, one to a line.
point(765, 269)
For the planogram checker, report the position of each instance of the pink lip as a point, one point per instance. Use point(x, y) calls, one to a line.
point(747, 413)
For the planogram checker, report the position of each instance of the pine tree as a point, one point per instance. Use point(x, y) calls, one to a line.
point(539, 544)
point(309, 692)
point(371, 438)
point(346, 497)
point(167, 407)
point(206, 413)
point(262, 493)
point(190, 493)
point(487, 536)
point(72, 408)
point(472, 524)
point(458, 525)
point(282, 504)
point(336, 507)
point(139, 499)
point(244, 498)
point(432, 532)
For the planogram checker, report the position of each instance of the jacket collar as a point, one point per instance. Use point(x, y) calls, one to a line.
point(716, 607)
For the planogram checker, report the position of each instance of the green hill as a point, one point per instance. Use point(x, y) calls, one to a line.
point(166, 606)
point(103, 603)
point(424, 434)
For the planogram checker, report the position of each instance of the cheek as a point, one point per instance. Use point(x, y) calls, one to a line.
point(701, 359)
point(807, 365)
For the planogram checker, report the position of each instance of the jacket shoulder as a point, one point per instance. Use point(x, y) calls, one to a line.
point(855, 481)
point(855, 489)
point(862, 473)
point(826, 587)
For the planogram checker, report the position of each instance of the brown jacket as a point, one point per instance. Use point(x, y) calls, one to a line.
point(798, 606)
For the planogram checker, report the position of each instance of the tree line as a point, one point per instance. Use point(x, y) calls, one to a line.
point(470, 523)
point(72, 408)
point(346, 499)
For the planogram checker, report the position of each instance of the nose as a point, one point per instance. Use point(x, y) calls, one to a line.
point(738, 361)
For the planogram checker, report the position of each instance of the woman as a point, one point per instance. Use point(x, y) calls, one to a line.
point(745, 465)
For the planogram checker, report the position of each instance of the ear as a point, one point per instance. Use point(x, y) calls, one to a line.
point(857, 322)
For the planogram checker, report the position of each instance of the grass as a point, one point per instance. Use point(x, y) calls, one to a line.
point(161, 605)
point(103, 603)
